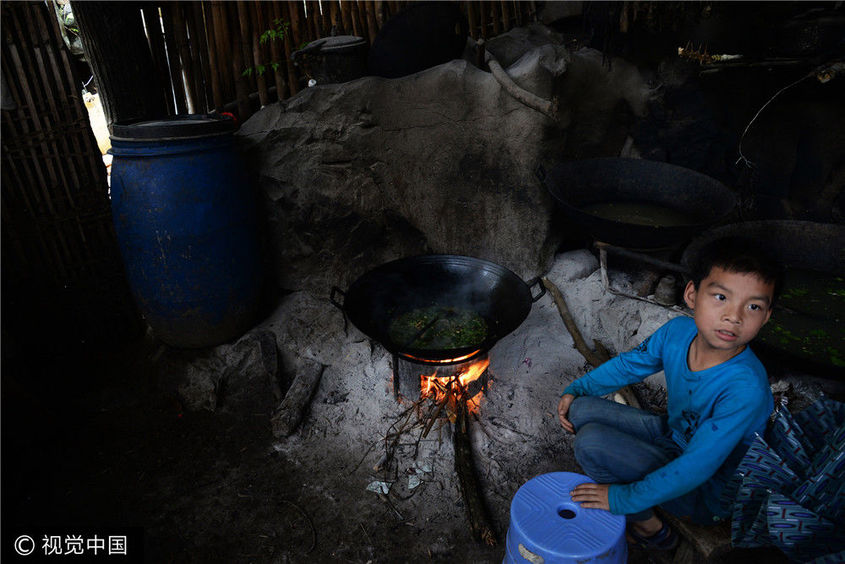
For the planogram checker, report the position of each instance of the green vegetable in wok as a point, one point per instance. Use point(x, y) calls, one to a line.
point(438, 328)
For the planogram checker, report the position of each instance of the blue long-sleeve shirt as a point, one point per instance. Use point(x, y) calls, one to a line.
point(713, 414)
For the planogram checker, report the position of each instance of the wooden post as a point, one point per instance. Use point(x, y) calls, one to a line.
point(495, 13)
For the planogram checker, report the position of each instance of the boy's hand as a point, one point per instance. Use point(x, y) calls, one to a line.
point(563, 411)
point(591, 496)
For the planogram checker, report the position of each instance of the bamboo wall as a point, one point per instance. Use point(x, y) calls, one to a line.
point(61, 263)
point(205, 47)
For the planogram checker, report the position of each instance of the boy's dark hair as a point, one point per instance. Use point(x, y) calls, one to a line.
point(741, 255)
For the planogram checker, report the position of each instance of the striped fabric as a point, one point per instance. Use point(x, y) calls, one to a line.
point(789, 489)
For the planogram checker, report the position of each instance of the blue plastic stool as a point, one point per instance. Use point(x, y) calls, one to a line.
point(547, 526)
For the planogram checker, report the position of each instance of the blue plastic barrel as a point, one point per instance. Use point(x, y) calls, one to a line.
point(547, 526)
point(185, 218)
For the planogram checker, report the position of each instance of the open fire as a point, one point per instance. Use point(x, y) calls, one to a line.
point(465, 384)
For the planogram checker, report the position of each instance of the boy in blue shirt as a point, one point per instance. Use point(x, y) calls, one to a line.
point(718, 398)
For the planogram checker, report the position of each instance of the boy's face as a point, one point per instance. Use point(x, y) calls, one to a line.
point(730, 308)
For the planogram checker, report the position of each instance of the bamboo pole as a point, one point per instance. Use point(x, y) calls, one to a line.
point(495, 14)
point(262, 25)
point(176, 82)
point(335, 23)
point(180, 33)
point(297, 22)
point(250, 36)
point(346, 17)
point(506, 15)
point(237, 66)
point(200, 55)
point(358, 24)
point(369, 10)
point(285, 11)
point(222, 49)
point(72, 158)
point(52, 119)
point(471, 19)
point(379, 8)
point(213, 66)
point(37, 179)
point(152, 24)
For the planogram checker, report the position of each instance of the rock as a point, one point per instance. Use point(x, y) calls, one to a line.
point(242, 377)
point(573, 265)
point(353, 175)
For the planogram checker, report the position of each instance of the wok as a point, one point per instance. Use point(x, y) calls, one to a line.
point(484, 288)
point(806, 330)
point(695, 200)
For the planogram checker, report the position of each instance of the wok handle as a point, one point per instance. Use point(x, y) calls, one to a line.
point(539, 283)
point(332, 299)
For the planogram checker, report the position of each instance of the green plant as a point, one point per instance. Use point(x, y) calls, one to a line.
point(279, 31)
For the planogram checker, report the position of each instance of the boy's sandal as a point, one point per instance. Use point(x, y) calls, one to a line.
point(664, 539)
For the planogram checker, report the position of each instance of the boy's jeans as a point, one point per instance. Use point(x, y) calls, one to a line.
point(619, 444)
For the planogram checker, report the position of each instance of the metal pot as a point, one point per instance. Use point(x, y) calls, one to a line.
point(487, 289)
point(698, 201)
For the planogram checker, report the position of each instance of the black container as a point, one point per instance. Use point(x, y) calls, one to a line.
point(333, 59)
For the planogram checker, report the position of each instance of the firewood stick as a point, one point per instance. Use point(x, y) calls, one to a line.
point(475, 510)
point(292, 409)
point(594, 358)
point(436, 414)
